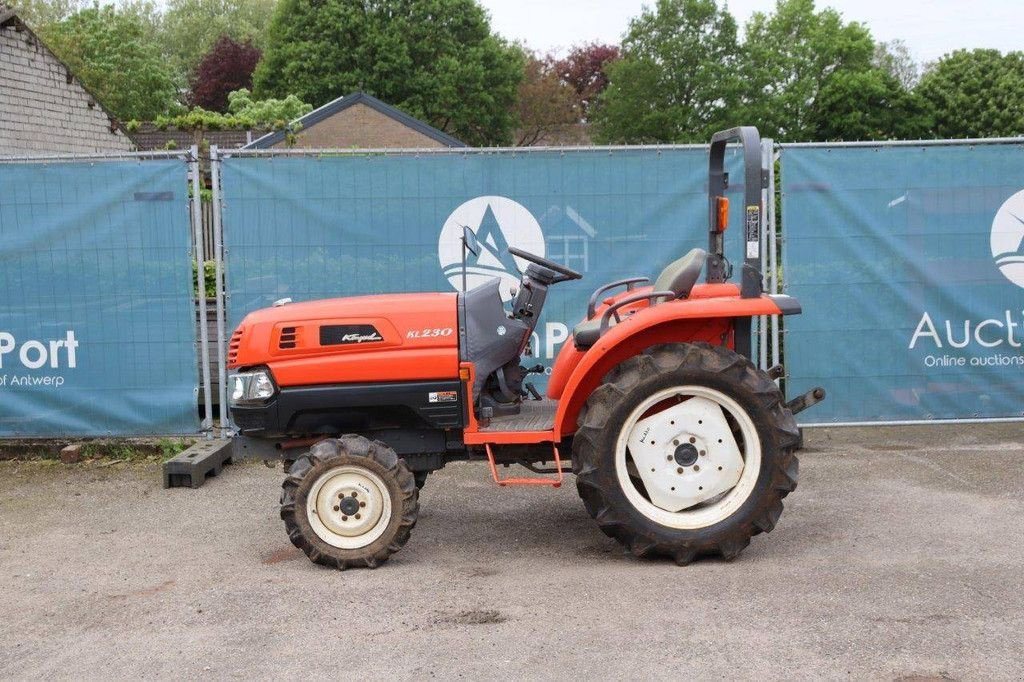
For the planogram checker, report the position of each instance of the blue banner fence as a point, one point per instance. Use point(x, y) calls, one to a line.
point(906, 257)
point(908, 261)
point(97, 329)
point(303, 226)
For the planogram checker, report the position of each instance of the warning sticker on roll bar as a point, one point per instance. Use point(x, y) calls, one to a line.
point(753, 231)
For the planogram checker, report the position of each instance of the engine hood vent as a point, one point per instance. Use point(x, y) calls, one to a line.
point(289, 338)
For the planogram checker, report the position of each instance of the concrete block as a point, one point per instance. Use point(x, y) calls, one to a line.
point(191, 468)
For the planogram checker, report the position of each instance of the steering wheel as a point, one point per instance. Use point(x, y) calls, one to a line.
point(567, 273)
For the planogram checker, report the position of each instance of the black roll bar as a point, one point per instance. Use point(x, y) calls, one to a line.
point(750, 140)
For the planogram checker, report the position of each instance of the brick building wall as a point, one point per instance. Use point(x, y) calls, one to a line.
point(361, 127)
point(40, 111)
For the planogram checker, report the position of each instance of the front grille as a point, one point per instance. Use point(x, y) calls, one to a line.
point(233, 345)
point(289, 338)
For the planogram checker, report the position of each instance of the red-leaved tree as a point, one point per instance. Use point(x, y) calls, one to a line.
point(584, 70)
point(227, 67)
point(546, 106)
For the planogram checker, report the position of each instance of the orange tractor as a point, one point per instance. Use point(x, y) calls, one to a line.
point(680, 445)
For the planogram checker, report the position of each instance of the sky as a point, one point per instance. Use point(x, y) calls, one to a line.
point(930, 28)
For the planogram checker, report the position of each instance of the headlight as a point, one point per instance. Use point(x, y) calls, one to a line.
point(252, 387)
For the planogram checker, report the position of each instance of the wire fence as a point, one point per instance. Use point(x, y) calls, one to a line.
point(96, 244)
point(97, 331)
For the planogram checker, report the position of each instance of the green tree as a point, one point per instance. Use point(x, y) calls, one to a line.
point(111, 51)
point(274, 112)
point(39, 14)
point(243, 112)
point(676, 80)
point(977, 93)
point(191, 27)
point(894, 57)
point(789, 55)
point(869, 105)
point(437, 60)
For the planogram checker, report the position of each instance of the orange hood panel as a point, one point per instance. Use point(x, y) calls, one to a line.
point(389, 337)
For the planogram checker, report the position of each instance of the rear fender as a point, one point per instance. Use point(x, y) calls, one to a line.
point(569, 356)
point(710, 320)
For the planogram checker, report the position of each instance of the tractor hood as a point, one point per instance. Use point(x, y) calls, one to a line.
point(301, 342)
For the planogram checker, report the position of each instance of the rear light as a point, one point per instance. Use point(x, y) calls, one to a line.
point(723, 214)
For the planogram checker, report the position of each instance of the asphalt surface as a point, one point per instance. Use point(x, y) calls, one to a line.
point(899, 557)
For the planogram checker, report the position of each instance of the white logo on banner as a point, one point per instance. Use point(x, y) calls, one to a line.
point(978, 337)
point(36, 354)
point(497, 222)
point(1008, 238)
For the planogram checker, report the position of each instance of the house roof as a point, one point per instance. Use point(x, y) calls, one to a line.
point(9, 16)
point(342, 103)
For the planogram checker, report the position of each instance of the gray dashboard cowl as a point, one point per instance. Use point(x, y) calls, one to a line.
point(481, 314)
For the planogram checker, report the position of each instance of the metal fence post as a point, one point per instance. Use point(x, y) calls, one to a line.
point(217, 204)
point(766, 228)
point(204, 337)
point(773, 254)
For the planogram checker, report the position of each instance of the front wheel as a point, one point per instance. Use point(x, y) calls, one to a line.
point(685, 450)
point(349, 502)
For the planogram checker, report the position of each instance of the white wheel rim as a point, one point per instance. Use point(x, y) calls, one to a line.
point(712, 487)
point(348, 507)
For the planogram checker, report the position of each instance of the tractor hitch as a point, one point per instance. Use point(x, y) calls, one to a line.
point(809, 399)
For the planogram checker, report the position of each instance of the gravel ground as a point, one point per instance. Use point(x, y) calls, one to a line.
point(898, 557)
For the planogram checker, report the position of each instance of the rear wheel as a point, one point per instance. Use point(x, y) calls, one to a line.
point(349, 502)
point(685, 450)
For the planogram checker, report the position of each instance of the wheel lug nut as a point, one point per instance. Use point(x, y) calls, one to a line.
point(703, 452)
point(669, 458)
point(337, 508)
point(675, 442)
point(358, 516)
point(692, 439)
point(362, 504)
point(344, 518)
point(354, 493)
point(679, 470)
point(696, 468)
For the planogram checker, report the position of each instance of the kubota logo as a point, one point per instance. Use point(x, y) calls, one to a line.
point(497, 222)
point(1008, 238)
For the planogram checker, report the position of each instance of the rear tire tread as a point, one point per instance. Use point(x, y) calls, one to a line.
point(594, 422)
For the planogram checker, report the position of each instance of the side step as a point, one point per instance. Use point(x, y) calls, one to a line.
point(553, 482)
point(191, 468)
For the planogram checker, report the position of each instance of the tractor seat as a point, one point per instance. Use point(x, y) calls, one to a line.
point(678, 277)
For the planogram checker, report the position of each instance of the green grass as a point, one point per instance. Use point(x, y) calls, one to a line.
point(169, 447)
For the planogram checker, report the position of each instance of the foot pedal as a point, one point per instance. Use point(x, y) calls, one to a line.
point(191, 468)
point(553, 482)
